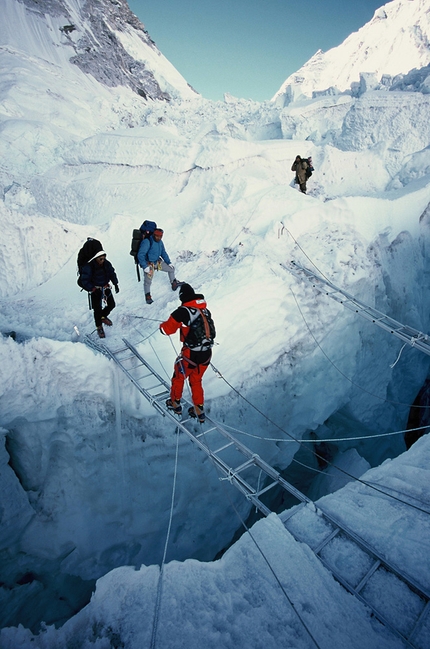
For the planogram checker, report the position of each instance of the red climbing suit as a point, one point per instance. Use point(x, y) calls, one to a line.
point(190, 364)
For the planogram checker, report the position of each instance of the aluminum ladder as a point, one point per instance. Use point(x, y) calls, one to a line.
point(330, 540)
point(237, 463)
point(244, 469)
point(408, 334)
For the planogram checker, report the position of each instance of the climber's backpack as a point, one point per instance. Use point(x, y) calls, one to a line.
point(146, 229)
point(309, 168)
point(90, 248)
point(201, 334)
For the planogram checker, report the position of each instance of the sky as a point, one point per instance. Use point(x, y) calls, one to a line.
point(247, 47)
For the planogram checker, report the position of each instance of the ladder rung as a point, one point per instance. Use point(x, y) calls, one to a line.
point(222, 448)
point(243, 466)
point(204, 432)
point(289, 513)
point(262, 491)
point(134, 367)
point(140, 378)
point(126, 358)
point(152, 387)
point(327, 539)
point(367, 576)
point(421, 619)
point(161, 395)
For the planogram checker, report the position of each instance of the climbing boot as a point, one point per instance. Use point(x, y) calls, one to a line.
point(107, 321)
point(197, 412)
point(176, 284)
point(101, 332)
point(148, 298)
point(175, 406)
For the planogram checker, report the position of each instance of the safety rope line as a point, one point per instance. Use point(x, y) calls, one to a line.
point(363, 482)
point(229, 478)
point(160, 577)
point(352, 477)
point(306, 255)
point(383, 399)
point(346, 377)
point(282, 430)
point(159, 360)
point(331, 477)
point(393, 365)
point(317, 440)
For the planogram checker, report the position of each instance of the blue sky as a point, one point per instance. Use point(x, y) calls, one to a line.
point(247, 47)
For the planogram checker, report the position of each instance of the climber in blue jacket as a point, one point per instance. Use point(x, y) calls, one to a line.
point(152, 256)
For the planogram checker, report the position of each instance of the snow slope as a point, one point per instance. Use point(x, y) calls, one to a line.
point(395, 41)
point(87, 466)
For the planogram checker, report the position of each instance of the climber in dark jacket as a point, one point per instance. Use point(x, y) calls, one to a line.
point(95, 278)
point(299, 166)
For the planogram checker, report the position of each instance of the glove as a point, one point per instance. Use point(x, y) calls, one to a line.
point(116, 288)
point(148, 269)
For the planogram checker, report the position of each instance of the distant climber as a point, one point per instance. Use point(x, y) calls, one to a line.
point(197, 334)
point(95, 278)
point(300, 166)
point(152, 256)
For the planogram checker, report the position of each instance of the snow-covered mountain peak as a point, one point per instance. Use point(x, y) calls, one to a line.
point(393, 42)
point(103, 38)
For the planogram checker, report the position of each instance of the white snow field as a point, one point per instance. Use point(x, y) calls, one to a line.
point(115, 531)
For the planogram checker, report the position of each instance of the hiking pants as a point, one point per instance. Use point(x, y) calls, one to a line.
point(101, 311)
point(159, 265)
point(187, 369)
point(301, 185)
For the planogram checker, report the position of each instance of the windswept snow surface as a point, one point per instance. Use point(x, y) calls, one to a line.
point(87, 467)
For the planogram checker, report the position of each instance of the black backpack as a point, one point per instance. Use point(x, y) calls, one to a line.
point(146, 229)
point(201, 334)
point(309, 168)
point(90, 248)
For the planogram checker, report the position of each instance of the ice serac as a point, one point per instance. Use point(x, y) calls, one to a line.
point(106, 40)
point(393, 42)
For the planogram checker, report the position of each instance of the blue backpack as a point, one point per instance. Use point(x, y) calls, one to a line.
point(146, 229)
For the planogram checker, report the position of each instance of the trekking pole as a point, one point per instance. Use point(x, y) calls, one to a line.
point(89, 301)
point(138, 272)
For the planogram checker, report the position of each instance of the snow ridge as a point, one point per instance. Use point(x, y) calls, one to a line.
point(393, 42)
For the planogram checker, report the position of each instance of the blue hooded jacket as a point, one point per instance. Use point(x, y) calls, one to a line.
point(150, 251)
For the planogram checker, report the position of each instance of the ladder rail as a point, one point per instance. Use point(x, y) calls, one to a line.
point(256, 460)
point(368, 549)
point(252, 495)
point(364, 601)
point(415, 338)
point(252, 459)
point(356, 590)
